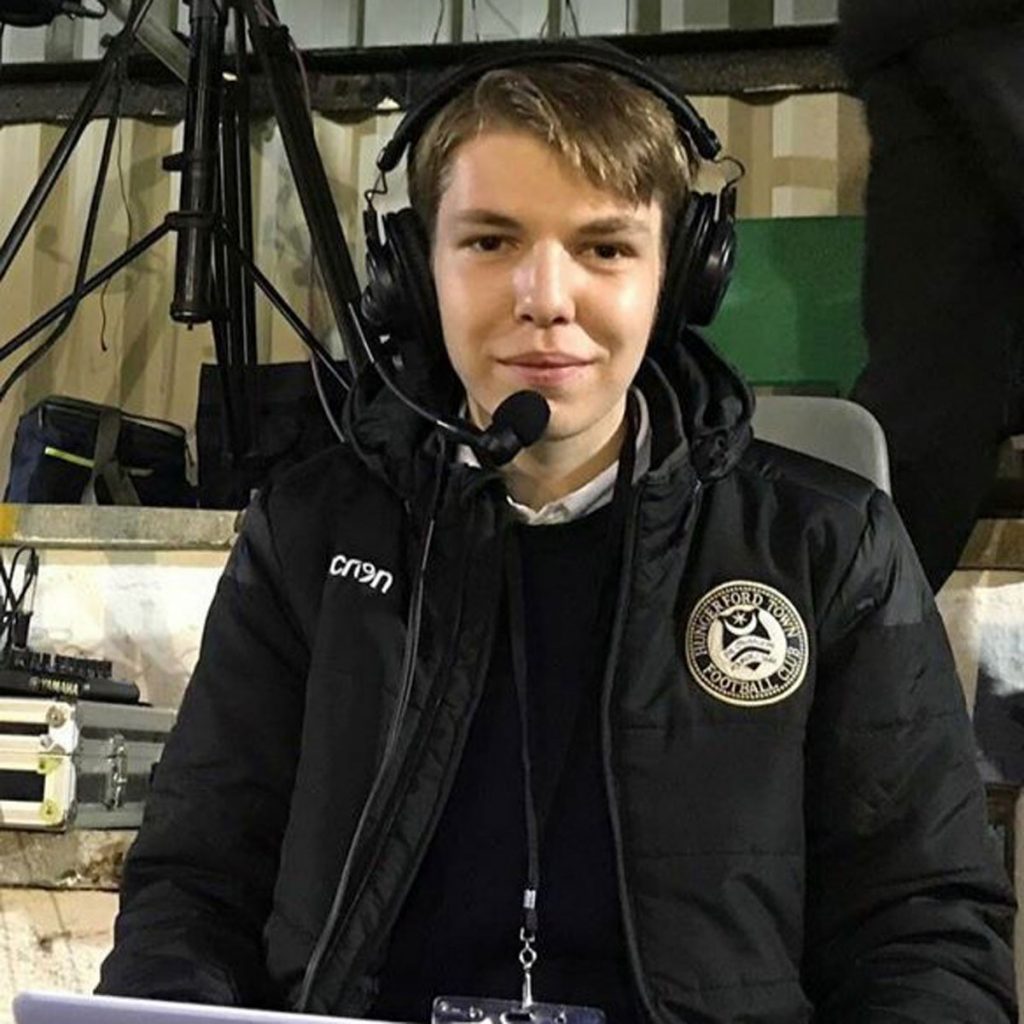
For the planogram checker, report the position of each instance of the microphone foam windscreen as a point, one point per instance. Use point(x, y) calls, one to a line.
point(525, 413)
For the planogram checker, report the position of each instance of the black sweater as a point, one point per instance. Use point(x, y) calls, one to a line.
point(458, 931)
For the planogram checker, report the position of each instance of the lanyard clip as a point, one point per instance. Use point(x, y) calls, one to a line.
point(527, 957)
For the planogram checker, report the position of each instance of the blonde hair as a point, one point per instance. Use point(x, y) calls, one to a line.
point(617, 134)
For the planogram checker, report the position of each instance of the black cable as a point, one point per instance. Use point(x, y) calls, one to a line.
point(7, 608)
point(440, 21)
point(12, 604)
point(120, 78)
point(572, 14)
point(30, 573)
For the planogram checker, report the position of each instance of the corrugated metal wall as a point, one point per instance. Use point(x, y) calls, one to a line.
point(325, 23)
point(805, 154)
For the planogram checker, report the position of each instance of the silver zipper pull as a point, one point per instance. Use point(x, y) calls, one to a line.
point(527, 957)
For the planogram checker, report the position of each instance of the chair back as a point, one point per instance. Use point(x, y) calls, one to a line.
point(832, 429)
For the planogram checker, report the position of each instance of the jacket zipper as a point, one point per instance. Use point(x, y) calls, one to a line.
point(618, 626)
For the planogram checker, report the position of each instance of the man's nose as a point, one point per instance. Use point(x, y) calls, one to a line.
point(545, 286)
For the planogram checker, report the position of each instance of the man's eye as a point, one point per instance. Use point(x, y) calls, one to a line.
point(609, 250)
point(487, 243)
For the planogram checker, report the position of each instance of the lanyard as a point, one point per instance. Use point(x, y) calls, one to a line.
point(517, 631)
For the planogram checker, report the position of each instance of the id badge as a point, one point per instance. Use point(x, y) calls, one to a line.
point(470, 1010)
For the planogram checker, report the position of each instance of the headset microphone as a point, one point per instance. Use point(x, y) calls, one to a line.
point(518, 422)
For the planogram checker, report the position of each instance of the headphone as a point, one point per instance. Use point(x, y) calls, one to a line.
point(400, 300)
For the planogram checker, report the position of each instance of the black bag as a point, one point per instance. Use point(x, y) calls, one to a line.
point(68, 451)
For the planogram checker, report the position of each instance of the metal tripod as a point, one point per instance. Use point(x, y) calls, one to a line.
point(215, 270)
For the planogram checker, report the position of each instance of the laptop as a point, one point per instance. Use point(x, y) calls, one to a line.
point(65, 1008)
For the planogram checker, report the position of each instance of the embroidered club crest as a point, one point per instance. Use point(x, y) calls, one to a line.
point(746, 644)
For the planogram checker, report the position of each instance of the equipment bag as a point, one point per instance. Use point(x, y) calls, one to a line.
point(68, 451)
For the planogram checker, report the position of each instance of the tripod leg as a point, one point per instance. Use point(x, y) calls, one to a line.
point(89, 286)
point(227, 321)
point(296, 127)
point(236, 207)
point(280, 303)
point(58, 160)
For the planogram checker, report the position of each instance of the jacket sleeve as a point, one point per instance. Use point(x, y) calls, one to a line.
point(198, 882)
point(907, 907)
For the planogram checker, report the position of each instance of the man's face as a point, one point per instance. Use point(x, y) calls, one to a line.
point(545, 283)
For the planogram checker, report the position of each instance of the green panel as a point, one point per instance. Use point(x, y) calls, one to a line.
point(791, 318)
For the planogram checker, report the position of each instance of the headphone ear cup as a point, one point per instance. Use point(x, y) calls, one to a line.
point(699, 265)
point(674, 306)
point(399, 300)
point(379, 295)
point(714, 271)
point(420, 315)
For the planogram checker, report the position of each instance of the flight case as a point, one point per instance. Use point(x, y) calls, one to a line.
point(68, 763)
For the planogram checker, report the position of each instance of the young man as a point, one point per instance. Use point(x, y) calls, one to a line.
point(689, 691)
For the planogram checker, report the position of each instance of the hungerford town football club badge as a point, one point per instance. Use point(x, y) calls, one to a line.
point(746, 644)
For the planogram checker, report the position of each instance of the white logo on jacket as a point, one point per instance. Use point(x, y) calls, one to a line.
point(362, 572)
point(746, 644)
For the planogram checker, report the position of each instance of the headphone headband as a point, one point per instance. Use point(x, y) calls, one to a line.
point(689, 122)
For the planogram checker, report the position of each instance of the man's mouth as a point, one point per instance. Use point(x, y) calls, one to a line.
point(545, 361)
point(546, 371)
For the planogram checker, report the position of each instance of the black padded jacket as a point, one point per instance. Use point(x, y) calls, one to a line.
point(798, 822)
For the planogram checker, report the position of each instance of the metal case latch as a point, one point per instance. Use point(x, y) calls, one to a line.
point(117, 773)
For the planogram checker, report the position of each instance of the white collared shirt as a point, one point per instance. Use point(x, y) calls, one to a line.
point(592, 495)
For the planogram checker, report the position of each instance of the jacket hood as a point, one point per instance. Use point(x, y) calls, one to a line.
point(707, 402)
point(700, 410)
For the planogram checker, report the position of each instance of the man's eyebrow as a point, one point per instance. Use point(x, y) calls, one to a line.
point(617, 224)
point(488, 218)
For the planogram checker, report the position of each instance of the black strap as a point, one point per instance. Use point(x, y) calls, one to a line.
point(105, 464)
point(535, 823)
point(517, 632)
